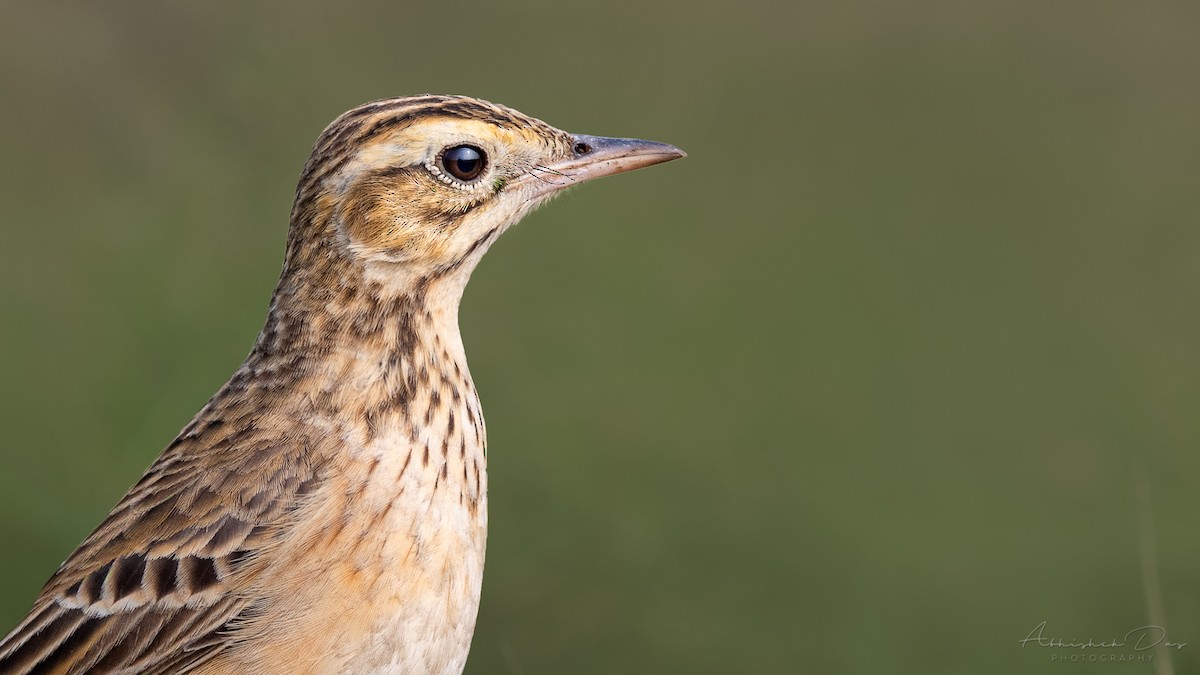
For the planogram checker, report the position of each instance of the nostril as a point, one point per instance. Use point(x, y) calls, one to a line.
point(582, 148)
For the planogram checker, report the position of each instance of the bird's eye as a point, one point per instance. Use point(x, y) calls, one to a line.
point(464, 162)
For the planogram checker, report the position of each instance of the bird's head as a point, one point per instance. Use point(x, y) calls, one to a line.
point(418, 188)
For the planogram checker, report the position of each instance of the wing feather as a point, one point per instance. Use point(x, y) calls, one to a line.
point(155, 588)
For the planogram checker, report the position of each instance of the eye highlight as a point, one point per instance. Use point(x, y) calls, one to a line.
point(464, 162)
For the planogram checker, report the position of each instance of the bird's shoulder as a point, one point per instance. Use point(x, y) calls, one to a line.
point(155, 587)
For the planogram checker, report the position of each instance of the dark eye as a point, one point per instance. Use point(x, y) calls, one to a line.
point(464, 162)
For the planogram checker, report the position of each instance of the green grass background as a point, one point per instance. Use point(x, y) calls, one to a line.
point(864, 384)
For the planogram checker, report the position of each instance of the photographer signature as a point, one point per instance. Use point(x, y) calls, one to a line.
point(1142, 638)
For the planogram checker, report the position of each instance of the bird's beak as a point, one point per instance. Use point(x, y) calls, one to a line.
point(596, 156)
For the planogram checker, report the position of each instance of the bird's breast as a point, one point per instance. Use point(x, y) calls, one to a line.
point(414, 540)
point(382, 572)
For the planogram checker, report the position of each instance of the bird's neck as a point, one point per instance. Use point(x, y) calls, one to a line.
point(373, 357)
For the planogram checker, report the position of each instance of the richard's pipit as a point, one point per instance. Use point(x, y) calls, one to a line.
point(326, 511)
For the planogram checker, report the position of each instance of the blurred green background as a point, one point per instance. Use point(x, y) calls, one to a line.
point(867, 383)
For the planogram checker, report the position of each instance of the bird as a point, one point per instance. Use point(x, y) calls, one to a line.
point(326, 510)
